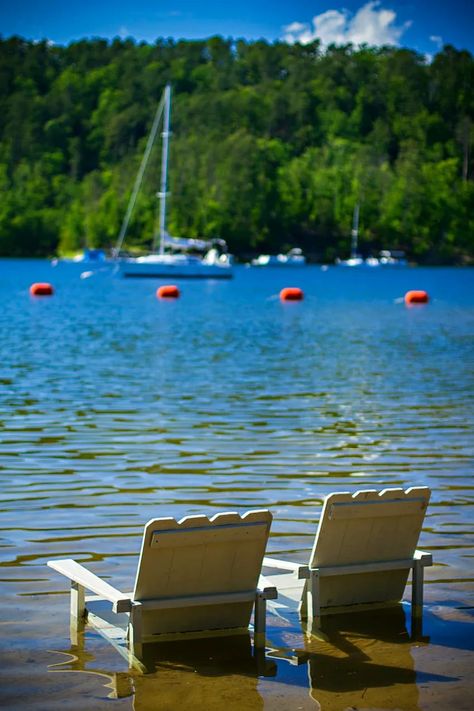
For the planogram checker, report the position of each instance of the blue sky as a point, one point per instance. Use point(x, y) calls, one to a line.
point(423, 25)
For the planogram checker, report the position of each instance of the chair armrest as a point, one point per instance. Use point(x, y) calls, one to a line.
point(268, 593)
point(425, 558)
point(80, 575)
point(283, 564)
point(300, 571)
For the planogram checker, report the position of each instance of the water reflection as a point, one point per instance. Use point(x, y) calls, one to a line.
point(362, 661)
point(365, 662)
point(196, 674)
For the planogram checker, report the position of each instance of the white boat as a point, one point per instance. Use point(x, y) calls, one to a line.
point(294, 258)
point(95, 260)
point(172, 257)
point(355, 260)
point(211, 265)
point(392, 258)
point(89, 255)
point(386, 258)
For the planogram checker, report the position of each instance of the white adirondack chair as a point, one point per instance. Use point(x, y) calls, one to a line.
point(196, 577)
point(364, 548)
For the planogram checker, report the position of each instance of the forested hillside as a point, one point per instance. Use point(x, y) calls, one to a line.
point(272, 146)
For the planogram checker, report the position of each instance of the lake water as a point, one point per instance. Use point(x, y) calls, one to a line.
point(116, 407)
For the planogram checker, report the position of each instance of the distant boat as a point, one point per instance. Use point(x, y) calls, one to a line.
point(172, 258)
point(392, 258)
point(356, 260)
point(386, 258)
point(91, 257)
point(294, 258)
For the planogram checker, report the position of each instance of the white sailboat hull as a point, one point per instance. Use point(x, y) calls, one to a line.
point(178, 266)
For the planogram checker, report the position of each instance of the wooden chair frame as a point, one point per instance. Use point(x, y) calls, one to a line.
point(130, 643)
point(412, 502)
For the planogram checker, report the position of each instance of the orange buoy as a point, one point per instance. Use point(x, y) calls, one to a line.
point(168, 291)
point(416, 297)
point(41, 289)
point(291, 293)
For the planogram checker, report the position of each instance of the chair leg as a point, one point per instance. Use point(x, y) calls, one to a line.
point(417, 598)
point(259, 627)
point(135, 631)
point(78, 601)
point(78, 612)
point(303, 606)
point(313, 597)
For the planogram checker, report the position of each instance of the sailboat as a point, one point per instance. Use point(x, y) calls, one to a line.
point(171, 257)
point(386, 258)
point(355, 260)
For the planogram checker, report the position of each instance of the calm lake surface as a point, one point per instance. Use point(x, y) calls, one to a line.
point(116, 407)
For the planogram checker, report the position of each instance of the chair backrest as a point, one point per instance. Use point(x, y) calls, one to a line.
point(198, 556)
point(368, 527)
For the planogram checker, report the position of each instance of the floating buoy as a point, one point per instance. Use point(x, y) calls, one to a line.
point(41, 289)
point(416, 297)
point(291, 293)
point(168, 291)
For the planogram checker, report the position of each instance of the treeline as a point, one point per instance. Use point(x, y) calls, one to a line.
point(272, 146)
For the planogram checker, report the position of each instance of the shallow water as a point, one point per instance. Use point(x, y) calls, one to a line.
point(116, 407)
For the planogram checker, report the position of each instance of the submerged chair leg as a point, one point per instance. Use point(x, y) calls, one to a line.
point(135, 631)
point(417, 598)
point(78, 601)
point(78, 612)
point(260, 615)
point(313, 609)
point(259, 627)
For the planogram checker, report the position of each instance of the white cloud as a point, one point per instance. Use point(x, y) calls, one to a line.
point(298, 32)
point(371, 24)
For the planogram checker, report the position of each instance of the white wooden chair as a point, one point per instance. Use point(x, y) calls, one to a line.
point(196, 577)
point(364, 548)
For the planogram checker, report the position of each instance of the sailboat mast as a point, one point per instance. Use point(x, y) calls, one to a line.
point(140, 174)
point(164, 167)
point(355, 231)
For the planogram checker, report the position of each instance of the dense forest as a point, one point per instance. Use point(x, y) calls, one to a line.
point(273, 145)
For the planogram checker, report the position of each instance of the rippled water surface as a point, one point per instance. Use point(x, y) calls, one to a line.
point(116, 407)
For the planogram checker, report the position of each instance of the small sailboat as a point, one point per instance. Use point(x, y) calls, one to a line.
point(171, 257)
point(386, 258)
point(355, 260)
